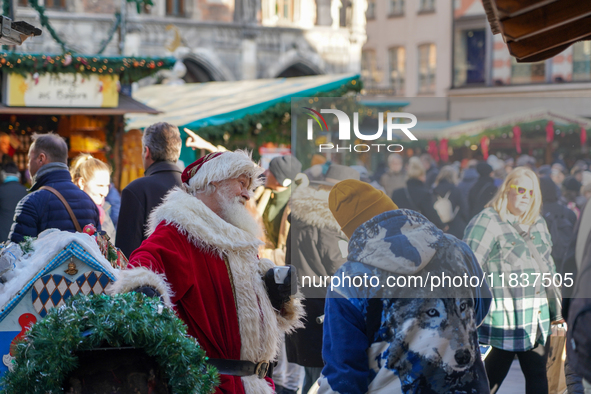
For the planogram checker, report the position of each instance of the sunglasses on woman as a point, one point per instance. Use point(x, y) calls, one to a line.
point(522, 190)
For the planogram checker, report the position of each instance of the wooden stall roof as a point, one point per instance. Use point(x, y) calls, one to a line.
point(126, 105)
point(536, 30)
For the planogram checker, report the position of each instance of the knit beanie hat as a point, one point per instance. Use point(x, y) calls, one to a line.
point(354, 202)
point(483, 168)
point(285, 168)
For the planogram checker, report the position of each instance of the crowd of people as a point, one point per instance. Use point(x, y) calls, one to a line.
point(210, 239)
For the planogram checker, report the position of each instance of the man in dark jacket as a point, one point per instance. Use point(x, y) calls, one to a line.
point(42, 209)
point(560, 220)
point(318, 248)
point(483, 190)
point(11, 192)
point(417, 196)
point(161, 150)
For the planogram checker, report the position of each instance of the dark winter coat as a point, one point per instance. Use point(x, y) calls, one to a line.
point(560, 220)
point(469, 178)
point(41, 209)
point(458, 224)
point(480, 194)
point(317, 248)
point(10, 194)
point(422, 200)
point(139, 198)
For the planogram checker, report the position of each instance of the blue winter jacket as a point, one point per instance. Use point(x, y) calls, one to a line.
point(41, 209)
point(394, 333)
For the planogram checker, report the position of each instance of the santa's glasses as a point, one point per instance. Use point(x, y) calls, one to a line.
point(522, 190)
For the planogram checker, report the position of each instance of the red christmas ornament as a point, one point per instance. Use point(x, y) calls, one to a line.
point(517, 138)
point(443, 150)
point(583, 136)
point(550, 131)
point(89, 229)
point(484, 142)
point(433, 150)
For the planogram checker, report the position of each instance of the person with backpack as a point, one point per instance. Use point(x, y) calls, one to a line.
point(511, 240)
point(416, 195)
point(449, 203)
point(399, 339)
point(559, 219)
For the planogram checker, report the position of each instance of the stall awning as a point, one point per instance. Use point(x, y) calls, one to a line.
point(477, 127)
point(535, 30)
point(126, 105)
point(214, 103)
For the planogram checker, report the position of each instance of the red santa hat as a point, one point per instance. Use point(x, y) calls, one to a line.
point(218, 166)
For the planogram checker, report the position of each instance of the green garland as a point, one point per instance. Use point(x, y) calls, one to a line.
point(107, 40)
point(47, 355)
point(271, 125)
point(45, 21)
point(129, 68)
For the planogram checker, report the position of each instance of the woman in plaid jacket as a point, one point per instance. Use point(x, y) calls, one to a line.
point(524, 302)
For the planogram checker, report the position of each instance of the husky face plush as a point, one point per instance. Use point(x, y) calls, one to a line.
point(436, 331)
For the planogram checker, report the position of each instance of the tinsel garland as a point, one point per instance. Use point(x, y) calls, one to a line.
point(48, 352)
point(130, 69)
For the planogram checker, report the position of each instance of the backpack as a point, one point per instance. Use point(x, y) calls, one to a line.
point(561, 231)
point(444, 208)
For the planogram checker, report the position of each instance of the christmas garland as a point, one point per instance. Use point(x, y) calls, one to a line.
point(129, 68)
point(45, 21)
point(275, 118)
point(48, 353)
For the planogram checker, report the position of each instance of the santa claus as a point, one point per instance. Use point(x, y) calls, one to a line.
point(201, 255)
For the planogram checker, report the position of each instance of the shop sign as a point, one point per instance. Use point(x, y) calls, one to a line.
point(61, 90)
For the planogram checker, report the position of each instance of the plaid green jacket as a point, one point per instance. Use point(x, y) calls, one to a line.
point(520, 313)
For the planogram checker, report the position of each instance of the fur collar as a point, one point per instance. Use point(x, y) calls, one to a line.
point(311, 207)
point(204, 228)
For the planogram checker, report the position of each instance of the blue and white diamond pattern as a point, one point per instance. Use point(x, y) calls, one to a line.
point(49, 291)
point(53, 290)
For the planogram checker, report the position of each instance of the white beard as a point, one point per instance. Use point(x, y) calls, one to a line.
point(234, 212)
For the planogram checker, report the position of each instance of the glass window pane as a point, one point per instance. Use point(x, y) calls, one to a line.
point(582, 61)
point(528, 72)
point(397, 60)
point(427, 67)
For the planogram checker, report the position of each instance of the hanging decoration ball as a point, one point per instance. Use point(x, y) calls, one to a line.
point(67, 60)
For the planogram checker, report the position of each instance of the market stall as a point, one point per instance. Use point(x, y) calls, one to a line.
point(78, 97)
point(245, 114)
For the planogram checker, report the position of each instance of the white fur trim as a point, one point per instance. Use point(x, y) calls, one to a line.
point(311, 207)
point(228, 165)
point(259, 323)
point(128, 280)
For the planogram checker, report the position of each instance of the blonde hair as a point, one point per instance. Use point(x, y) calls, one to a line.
point(415, 168)
point(499, 202)
point(84, 167)
point(447, 173)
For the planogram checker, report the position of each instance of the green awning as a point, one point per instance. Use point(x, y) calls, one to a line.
point(198, 105)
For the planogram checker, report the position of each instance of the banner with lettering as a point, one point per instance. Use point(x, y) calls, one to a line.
point(61, 90)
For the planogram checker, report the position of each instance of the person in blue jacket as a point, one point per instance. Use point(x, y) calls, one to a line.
point(384, 334)
point(41, 209)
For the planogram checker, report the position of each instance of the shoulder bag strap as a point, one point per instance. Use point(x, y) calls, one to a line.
point(63, 200)
point(539, 261)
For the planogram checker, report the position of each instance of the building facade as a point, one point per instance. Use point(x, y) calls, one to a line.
point(217, 40)
point(408, 49)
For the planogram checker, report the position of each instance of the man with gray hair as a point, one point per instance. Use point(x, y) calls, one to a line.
point(161, 145)
point(55, 202)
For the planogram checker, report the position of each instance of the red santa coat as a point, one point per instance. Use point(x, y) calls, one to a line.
point(216, 282)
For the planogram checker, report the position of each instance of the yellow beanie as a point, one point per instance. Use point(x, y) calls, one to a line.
point(353, 203)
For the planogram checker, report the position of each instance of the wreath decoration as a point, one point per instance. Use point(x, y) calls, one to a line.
point(47, 354)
